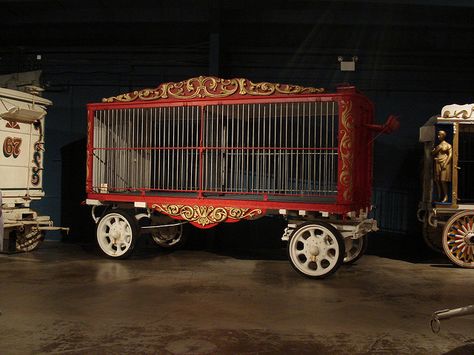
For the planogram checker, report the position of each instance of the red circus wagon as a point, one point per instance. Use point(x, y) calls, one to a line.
point(209, 150)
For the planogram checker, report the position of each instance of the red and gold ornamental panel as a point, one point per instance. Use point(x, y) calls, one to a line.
point(207, 216)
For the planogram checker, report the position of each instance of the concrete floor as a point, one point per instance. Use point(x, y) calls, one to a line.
point(66, 299)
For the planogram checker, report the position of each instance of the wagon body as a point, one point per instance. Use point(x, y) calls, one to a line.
point(448, 226)
point(209, 150)
point(22, 117)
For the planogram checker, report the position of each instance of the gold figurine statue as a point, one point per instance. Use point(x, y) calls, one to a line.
point(443, 154)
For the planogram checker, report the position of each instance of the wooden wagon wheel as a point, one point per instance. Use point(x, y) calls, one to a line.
point(316, 250)
point(117, 233)
point(458, 239)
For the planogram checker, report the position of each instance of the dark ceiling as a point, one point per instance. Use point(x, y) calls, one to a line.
point(387, 36)
point(246, 23)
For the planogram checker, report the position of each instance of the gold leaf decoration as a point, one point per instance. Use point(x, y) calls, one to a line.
point(212, 87)
point(346, 150)
point(206, 215)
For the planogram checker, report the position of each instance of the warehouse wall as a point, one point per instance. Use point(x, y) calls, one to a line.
point(413, 58)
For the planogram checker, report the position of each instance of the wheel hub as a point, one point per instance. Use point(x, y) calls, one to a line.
point(469, 238)
point(116, 234)
point(313, 247)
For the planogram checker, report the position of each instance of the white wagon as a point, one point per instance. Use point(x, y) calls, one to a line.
point(21, 170)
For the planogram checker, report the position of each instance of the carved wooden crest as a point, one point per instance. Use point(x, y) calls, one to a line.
point(212, 87)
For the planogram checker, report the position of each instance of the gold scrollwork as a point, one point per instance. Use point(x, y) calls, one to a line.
point(212, 87)
point(205, 215)
point(346, 150)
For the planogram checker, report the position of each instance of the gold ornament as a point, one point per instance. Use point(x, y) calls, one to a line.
point(205, 215)
point(212, 87)
point(346, 150)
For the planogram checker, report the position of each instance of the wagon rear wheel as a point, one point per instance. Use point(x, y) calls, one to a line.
point(172, 237)
point(355, 248)
point(29, 239)
point(316, 250)
point(117, 233)
point(458, 239)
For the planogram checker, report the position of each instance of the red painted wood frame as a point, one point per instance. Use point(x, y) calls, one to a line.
point(354, 180)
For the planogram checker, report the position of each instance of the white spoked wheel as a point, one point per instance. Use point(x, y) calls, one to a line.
point(169, 237)
point(458, 239)
point(355, 248)
point(116, 234)
point(316, 250)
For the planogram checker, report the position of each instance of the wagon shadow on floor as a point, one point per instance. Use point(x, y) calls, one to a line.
point(407, 248)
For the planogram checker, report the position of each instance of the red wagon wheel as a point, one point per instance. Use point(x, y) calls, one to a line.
point(458, 239)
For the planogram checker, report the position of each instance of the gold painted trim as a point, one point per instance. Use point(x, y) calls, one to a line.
point(347, 153)
point(205, 215)
point(212, 87)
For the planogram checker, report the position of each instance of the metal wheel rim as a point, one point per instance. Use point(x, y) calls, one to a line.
point(114, 234)
point(353, 248)
point(314, 250)
point(458, 239)
point(168, 236)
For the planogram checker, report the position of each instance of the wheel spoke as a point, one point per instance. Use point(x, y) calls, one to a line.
point(457, 239)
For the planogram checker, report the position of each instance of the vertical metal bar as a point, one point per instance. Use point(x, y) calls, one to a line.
point(191, 151)
point(315, 138)
point(184, 144)
point(286, 171)
point(331, 181)
point(280, 151)
point(173, 150)
point(246, 109)
point(258, 151)
point(159, 160)
point(143, 151)
point(222, 151)
point(233, 156)
point(240, 144)
point(181, 145)
point(309, 151)
point(121, 151)
point(320, 126)
point(108, 143)
point(227, 168)
point(326, 145)
point(304, 156)
point(197, 143)
point(270, 151)
point(298, 173)
point(214, 165)
point(167, 145)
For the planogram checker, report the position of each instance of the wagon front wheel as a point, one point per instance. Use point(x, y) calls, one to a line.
point(316, 250)
point(458, 239)
point(117, 234)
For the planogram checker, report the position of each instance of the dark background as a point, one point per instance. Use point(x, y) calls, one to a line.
point(413, 58)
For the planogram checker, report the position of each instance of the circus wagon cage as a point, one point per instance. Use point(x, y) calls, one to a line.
point(209, 150)
point(446, 208)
